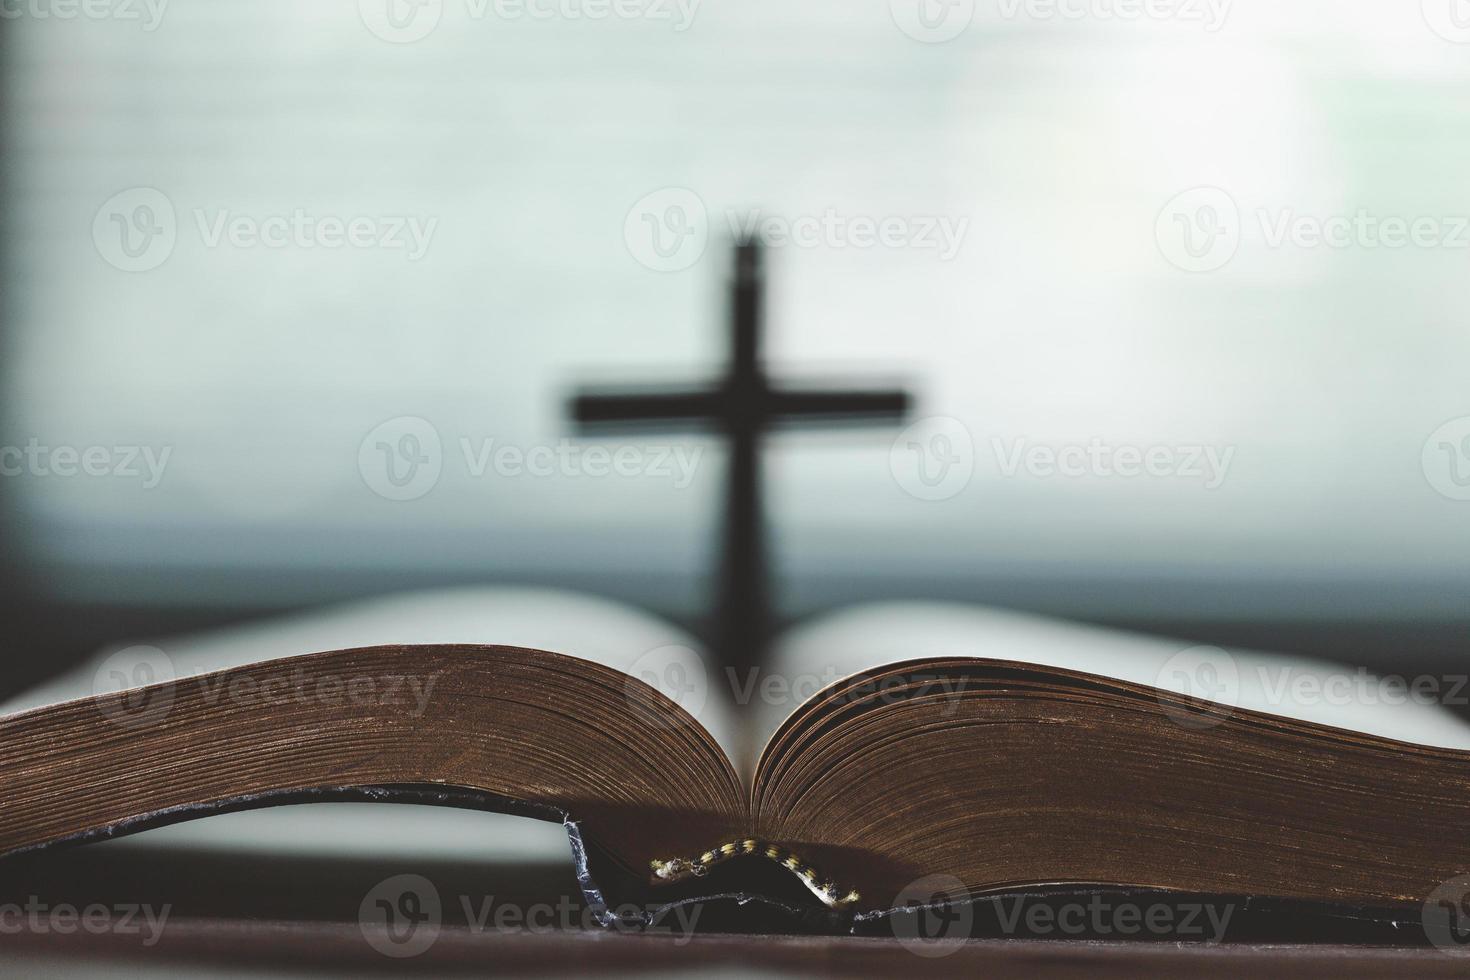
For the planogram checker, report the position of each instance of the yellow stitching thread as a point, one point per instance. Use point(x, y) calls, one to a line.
point(677, 869)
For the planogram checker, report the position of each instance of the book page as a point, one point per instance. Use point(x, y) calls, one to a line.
point(580, 626)
point(844, 643)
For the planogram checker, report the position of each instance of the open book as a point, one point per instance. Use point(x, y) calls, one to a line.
point(881, 747)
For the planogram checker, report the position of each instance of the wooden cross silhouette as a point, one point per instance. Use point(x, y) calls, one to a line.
point(742, 405)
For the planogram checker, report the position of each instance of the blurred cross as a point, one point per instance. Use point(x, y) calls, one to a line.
point(742, 406)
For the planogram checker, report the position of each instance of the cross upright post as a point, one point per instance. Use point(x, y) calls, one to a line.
point(741, 406)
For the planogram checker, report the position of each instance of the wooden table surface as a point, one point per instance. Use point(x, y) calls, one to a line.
point(243, 948)
point(230, 916)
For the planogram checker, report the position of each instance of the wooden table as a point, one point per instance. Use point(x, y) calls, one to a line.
point(318, 949)
point(237, 917)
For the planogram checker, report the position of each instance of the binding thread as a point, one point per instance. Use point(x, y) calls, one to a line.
point(678, 869)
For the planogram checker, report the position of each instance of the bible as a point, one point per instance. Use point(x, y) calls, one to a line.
point(879, 747)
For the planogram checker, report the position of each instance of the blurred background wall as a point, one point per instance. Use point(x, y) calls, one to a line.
point(260, 244)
